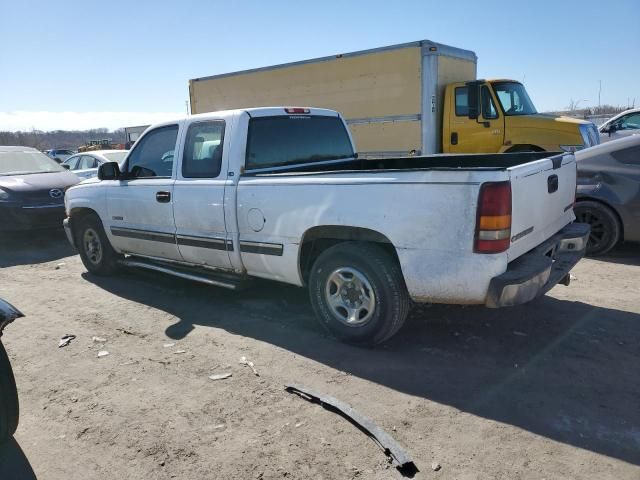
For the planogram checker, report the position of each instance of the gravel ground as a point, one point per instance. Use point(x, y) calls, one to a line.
point(550, 390)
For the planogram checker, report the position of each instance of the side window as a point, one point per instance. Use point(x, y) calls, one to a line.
point(630, 122)
point(462, 102)
point(630, 155)
point(153, 155)
point(488, 107)
point(203, 150)
point(72, 162)
point(86, 161)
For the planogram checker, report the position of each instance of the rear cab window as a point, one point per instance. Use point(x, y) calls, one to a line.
point(277, 141)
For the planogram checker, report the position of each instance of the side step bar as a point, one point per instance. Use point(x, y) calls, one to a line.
point(210, 278)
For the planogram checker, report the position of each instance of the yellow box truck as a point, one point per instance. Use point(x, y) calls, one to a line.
point(415, 98)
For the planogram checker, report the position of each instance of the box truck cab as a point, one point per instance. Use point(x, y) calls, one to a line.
point(487, 116)
point(410, 99)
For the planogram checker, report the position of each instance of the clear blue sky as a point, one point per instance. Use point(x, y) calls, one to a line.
point(137, 56)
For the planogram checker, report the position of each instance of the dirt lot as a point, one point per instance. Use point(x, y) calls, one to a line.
point(550, 390)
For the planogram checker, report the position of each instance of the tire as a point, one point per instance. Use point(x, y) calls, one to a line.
point(374, 303)
point(9, 407)
point(97, 254)
point(605, 227)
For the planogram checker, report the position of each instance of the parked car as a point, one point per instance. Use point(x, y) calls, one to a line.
point(85, 165)
point(59, 154)
point(622, 125)
point(608, 193)
point(280, 193)
point(9, 410)
point(32, 188)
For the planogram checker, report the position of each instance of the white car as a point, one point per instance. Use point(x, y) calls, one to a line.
point(280, 193)
point(85, 165)
point(622, 125)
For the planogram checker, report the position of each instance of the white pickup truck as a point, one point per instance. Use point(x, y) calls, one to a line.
point(280, 193)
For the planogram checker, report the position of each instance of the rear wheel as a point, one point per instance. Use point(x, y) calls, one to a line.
point(9, 409)
point(605, 228)
point(358, 293)
point(97, 254)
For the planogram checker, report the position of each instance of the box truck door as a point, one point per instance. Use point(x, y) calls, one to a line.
point(484, 134)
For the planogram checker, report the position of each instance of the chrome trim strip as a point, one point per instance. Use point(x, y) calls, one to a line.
point(143, 235)
point(37, 207)
point(262, 248)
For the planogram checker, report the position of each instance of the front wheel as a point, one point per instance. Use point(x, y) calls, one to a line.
point(605, 228)
point(358, 293)
point(97, 254)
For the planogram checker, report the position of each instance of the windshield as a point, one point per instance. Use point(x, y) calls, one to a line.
point(116, 156)
point(513, 98)
point(23, 163)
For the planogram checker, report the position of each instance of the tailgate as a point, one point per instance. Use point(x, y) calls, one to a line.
point(543, 192)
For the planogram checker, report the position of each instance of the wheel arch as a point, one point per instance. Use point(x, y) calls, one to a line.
point(318, 239)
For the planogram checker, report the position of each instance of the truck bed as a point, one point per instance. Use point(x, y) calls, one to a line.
point(495, 161)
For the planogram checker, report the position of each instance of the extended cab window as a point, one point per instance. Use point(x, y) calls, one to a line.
point(629, 155)
point(462, 102)
point(203, 150)
point(290, 139)
point(153, 154)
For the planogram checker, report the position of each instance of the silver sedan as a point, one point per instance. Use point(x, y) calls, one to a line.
point(85, 165)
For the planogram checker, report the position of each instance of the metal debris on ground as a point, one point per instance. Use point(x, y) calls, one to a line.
point(129, 332)
point(167, 345)
point(66, 340)
point(435, 466)
point(99, 339)
point(179, 351)
point(389, 446)
point(219, 376)
point(519, 334)
point(102, 353)
point(61, 264)
point(249, 363)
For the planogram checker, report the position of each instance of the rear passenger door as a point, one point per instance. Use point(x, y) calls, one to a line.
point(198, 206)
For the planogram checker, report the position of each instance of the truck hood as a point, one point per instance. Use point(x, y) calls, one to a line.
point(547, 121)
point(38, 182)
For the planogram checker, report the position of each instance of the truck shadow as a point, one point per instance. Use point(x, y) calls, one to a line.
point(623, 254)
point(37, 246)
point(561, 369)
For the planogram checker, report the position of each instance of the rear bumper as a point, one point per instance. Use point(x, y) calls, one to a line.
point(16, 217)
point(538, 271)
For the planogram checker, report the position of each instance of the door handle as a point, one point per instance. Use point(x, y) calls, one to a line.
point(163, 197)
point(454, 138)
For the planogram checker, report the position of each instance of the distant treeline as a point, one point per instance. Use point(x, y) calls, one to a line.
point(59, 138)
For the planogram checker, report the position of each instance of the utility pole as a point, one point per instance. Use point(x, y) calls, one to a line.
point(599, 90)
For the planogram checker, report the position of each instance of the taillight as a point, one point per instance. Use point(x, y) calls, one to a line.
point(493, 225)
point(296, 110)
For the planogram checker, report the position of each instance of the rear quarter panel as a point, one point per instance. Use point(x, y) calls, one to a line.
point(428, 216)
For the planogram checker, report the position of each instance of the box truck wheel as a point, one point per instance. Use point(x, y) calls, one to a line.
point(358, 293)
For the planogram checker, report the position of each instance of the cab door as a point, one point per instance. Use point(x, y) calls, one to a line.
point(199, 191)
point(140, 204)
point(482, 135)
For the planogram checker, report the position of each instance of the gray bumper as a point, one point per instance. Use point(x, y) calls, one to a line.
point(538, 271)
point(67, 229)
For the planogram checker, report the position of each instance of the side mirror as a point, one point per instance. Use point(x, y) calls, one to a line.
point(109, 171)
point(65, 166)
point(473, 89)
